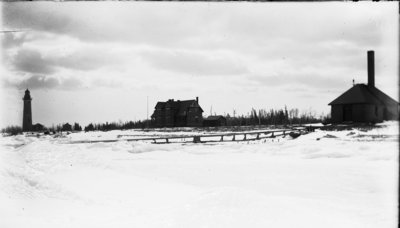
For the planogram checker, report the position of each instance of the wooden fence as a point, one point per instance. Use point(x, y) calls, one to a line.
point(203, 138)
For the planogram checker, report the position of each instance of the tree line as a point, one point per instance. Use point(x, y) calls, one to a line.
point(281, 116)
point(107, 126)
point(66, 127)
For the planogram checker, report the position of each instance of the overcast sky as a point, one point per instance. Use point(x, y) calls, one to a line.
point(99, 61)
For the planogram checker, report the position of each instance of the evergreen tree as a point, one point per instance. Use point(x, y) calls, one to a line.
point(77, 127)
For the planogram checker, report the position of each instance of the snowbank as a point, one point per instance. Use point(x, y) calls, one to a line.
point(322, 179)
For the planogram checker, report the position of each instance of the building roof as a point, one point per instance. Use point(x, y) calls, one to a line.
point(185, 105)
point(160, 104)
point(215, 117)
point(180, 106)
point(363, 94)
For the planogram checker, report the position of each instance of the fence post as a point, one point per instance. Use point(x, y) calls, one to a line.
point(222, 138)
point(233, 139)
point(196, 139)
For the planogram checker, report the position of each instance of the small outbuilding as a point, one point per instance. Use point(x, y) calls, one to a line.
point(38, 127)
point(214, 121)
point(364, 103)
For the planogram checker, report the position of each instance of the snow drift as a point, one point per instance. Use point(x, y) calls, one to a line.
point(322, 179)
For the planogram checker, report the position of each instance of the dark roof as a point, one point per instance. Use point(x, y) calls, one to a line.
point(160, 104)
point(215, 117)
point(363, 94)
point(383, 97)
point(185, 105)
point(181, 106)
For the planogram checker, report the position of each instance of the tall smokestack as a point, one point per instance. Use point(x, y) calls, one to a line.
point(197, 100)
point(371, 69)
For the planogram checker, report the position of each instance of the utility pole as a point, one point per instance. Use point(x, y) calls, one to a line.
point(147, 108)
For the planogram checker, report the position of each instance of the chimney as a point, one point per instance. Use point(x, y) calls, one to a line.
point(197, 100)
point(371, 69)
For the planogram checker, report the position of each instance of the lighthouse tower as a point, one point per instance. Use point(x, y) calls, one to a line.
point(27, 118)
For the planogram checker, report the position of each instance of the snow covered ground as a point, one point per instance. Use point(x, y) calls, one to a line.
point(322, 179)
